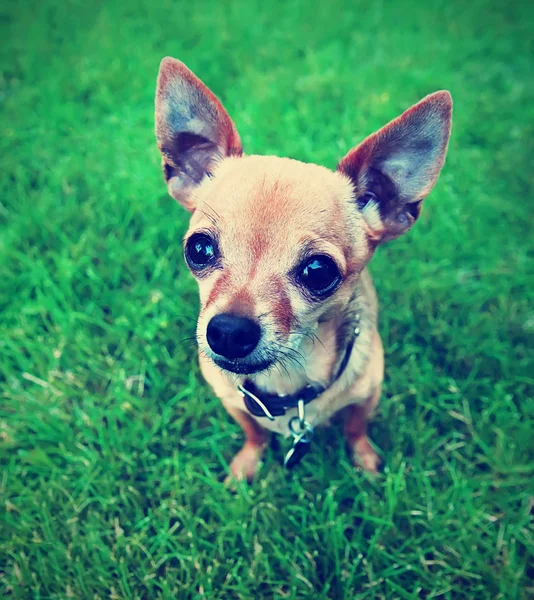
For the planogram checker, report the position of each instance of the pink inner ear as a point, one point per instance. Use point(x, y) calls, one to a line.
point(193, 130)
point(410, 150)
point(185, 105)
point(400, 163)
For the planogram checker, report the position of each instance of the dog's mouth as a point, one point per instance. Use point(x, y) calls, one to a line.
point(241, 367)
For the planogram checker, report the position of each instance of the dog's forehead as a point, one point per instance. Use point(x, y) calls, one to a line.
point(276, 195)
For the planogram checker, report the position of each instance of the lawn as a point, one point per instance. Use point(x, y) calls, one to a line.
point(113, 450)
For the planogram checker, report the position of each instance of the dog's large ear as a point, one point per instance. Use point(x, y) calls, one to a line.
point(395, 168)
point(193, 130)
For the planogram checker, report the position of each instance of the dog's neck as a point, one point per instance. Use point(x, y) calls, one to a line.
point(319, 356)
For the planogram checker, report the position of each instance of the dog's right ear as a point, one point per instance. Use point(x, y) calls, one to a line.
point(394, 169)
point(193, 130)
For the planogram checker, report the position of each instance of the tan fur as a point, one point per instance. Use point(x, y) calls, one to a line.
point(264, 211)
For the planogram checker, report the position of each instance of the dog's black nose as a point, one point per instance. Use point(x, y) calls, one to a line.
point(232, 336)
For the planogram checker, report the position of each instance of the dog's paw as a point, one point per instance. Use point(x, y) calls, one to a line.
point(245, 463)
point(365, 457)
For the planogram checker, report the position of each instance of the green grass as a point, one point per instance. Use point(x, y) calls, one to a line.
point(112, 447)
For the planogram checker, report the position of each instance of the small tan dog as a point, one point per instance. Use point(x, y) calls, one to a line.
point(287, 331)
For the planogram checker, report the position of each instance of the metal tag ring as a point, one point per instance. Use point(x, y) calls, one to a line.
point(301, 432)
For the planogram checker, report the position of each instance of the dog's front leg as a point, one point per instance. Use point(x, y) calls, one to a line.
point(355, 430)
point(245, 463)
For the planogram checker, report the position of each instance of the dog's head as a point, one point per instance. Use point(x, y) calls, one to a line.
point(275, 244)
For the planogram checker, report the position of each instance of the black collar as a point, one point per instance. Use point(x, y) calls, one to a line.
point(264, 404)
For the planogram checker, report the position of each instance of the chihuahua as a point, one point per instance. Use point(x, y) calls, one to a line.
point(287, 331)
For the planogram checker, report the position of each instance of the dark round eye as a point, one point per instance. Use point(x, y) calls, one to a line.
point(200, 251)
point(320, 275)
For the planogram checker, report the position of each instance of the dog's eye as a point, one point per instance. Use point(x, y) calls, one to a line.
point(320, 275)
point(200, 251)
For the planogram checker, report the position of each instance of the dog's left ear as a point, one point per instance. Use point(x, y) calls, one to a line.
point(193, 130)
point(395, 168)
